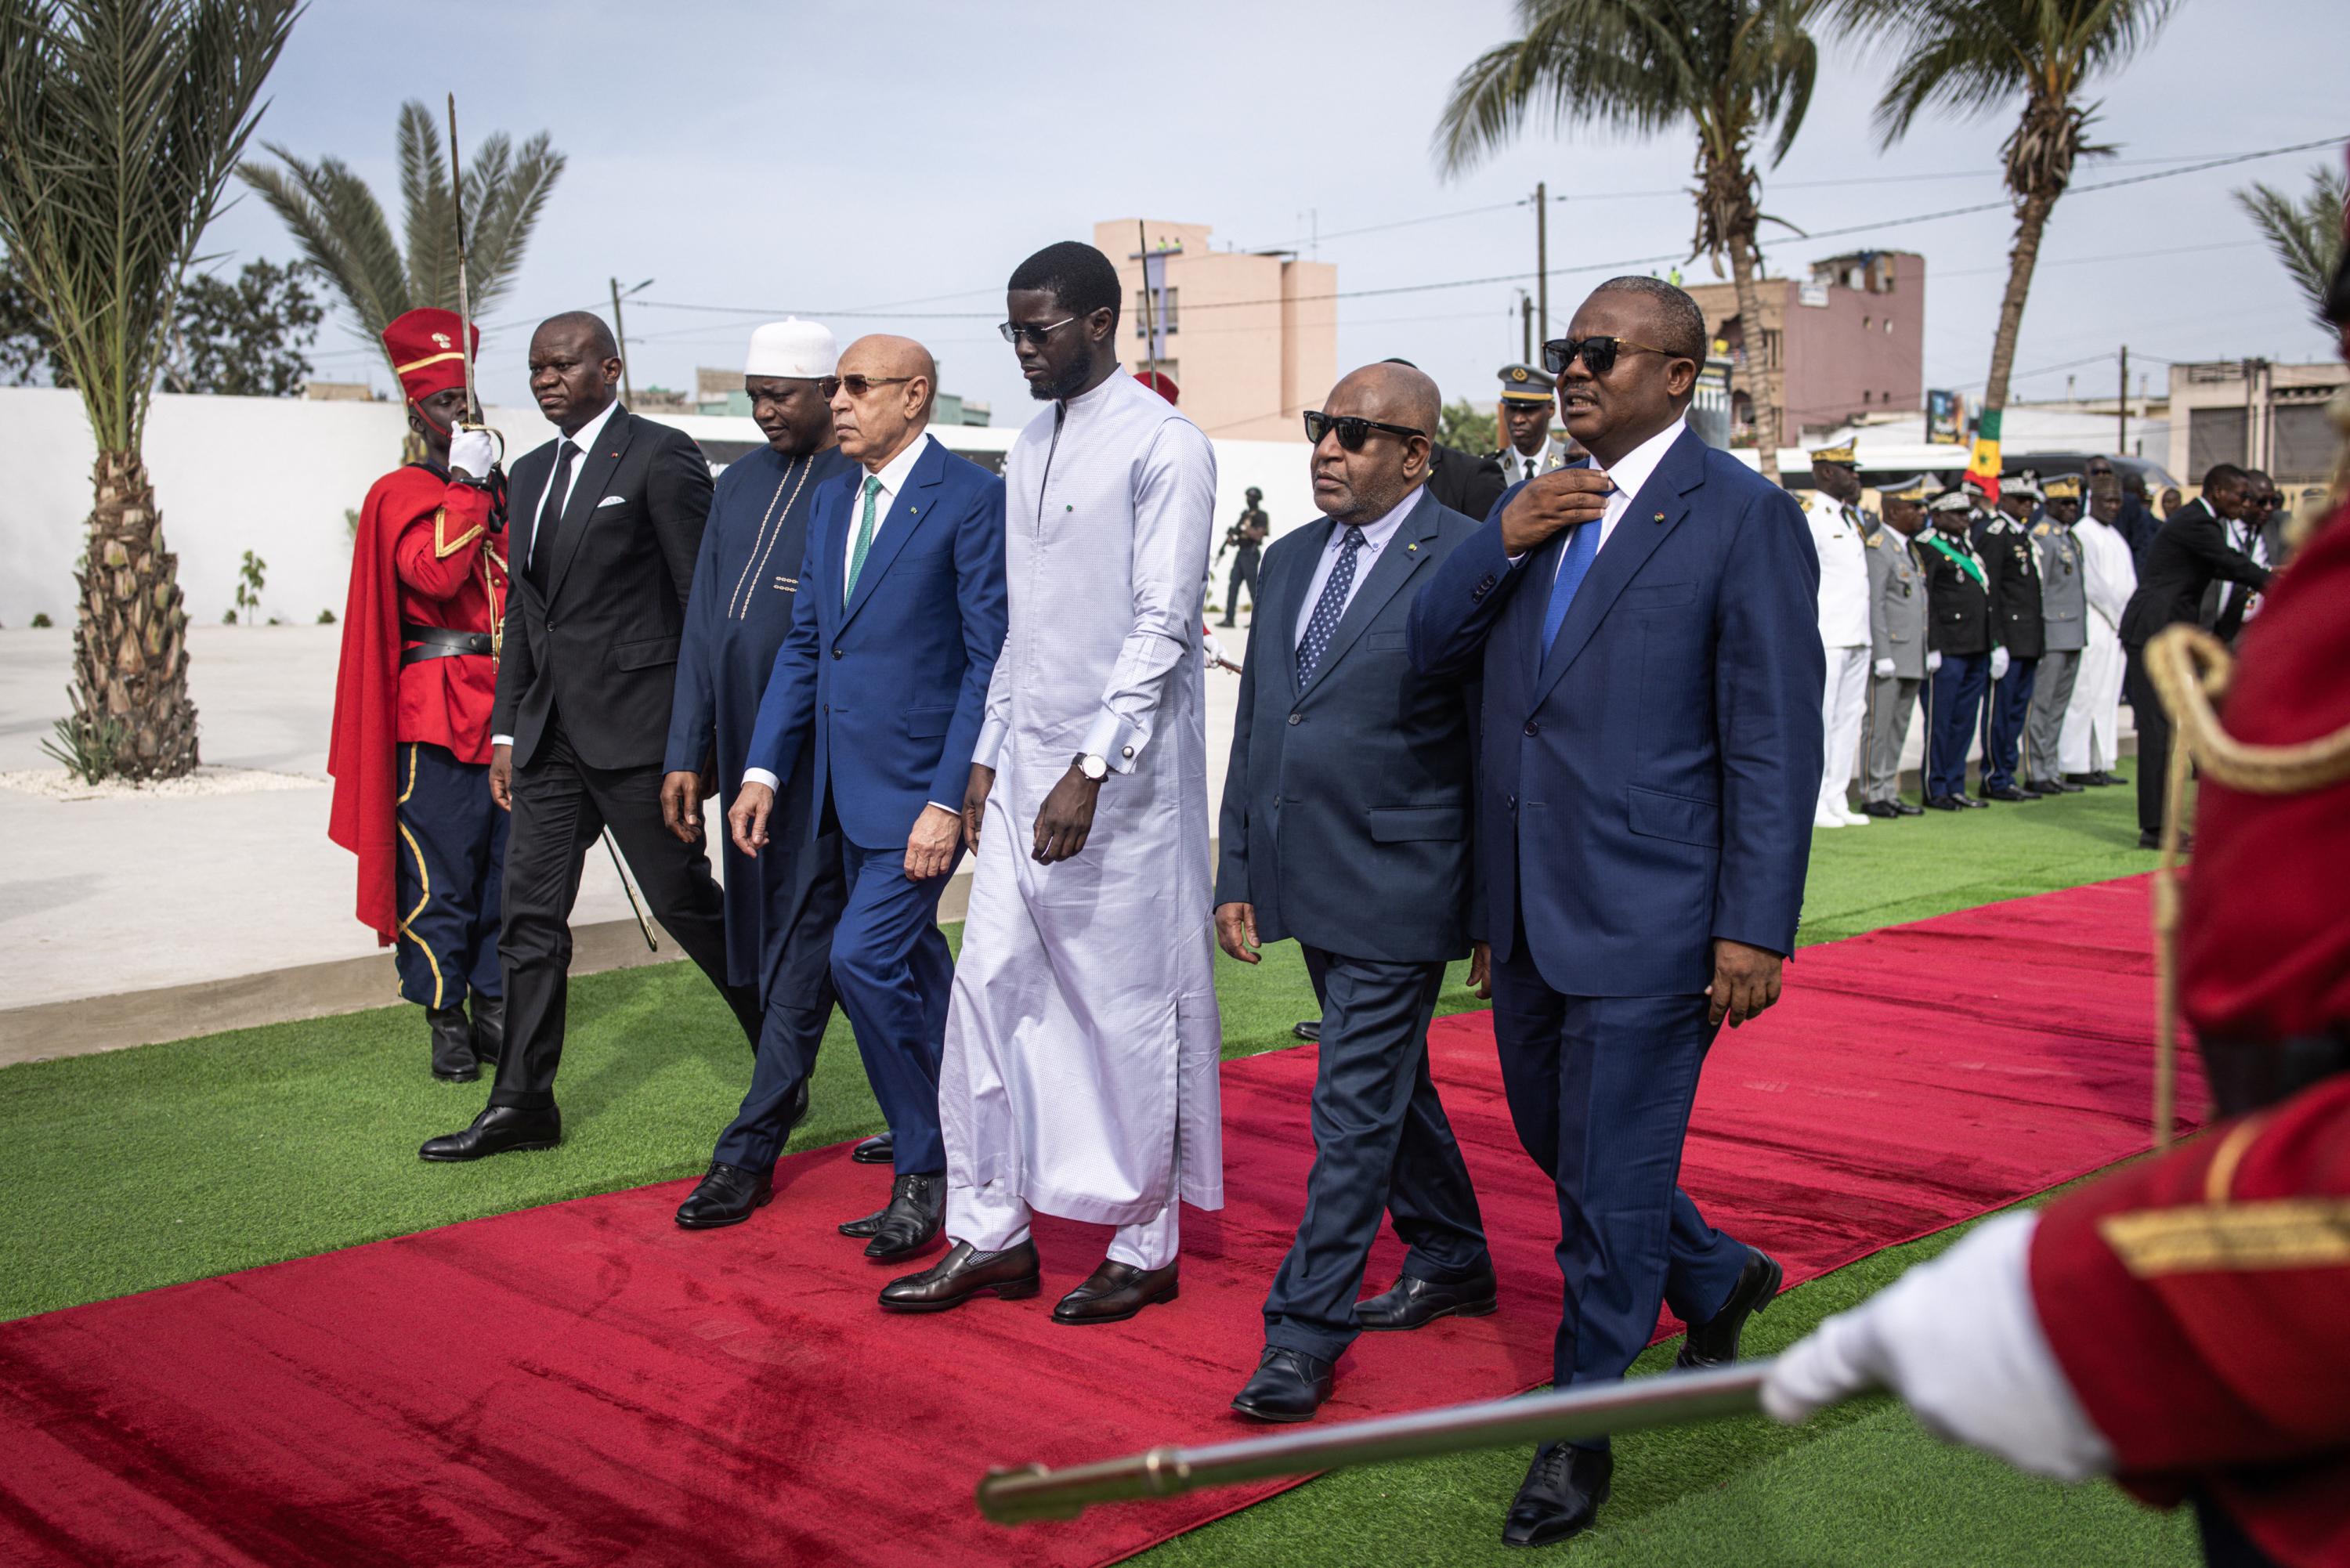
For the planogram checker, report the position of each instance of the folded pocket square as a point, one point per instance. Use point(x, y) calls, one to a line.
point(609, 500)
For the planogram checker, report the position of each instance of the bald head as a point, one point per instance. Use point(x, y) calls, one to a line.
point(1362, 484)
point(886, 385)
point(575, 366)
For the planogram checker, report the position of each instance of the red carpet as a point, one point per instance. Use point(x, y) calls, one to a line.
point(586, 1383)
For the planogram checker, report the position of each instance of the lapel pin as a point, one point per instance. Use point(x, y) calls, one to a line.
point(1409, 549)
point(1660, 516)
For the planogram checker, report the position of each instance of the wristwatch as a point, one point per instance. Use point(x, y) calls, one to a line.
point(1093, 767)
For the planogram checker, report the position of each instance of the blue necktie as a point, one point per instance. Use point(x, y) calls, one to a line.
point(1329, 607)
point(1582, 546)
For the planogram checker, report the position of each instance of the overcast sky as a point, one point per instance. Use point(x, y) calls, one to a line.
point(830, 160)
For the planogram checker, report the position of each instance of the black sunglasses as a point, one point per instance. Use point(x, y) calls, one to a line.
point(857, 385)
point(1013, 332)
point(1598, 353)
point(1352, 432)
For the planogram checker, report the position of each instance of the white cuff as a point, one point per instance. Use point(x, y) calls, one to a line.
point(1114, 741)
point(502, 739)
point(1960, 1340)
point(761, 776)
point(990, 743)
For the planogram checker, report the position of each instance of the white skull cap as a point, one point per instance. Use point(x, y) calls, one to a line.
point(803, 350)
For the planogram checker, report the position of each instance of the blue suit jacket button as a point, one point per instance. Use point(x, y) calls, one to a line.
point(1533, 728)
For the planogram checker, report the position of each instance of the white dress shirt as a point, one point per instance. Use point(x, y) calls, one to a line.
point(584, 438)
point(1628, 474)
point(1517, 465)
point(1375, 536)
point(893, 475)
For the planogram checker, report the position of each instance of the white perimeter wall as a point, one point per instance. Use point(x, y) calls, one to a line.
point(275, 475)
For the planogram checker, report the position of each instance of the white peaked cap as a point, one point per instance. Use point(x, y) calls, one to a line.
point(803, 350)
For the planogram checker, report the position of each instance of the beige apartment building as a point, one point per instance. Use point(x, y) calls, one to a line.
point(1251, 338)
point(2257, 414)
point(1846, 342)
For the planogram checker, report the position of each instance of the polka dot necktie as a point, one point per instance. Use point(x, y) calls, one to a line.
point(1329, 607)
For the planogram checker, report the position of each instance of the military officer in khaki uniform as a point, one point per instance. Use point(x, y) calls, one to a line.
point(1896, 647)
point(1529, 446)
point(2063, 616)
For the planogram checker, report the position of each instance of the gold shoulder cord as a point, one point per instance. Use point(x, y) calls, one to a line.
point(2190, 669)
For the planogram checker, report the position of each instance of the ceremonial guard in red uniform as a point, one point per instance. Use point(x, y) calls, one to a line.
point(2178, 1325)
point(410, 750)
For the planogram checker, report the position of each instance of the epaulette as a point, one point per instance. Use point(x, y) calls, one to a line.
point(1877, 540)
point(2041, 532)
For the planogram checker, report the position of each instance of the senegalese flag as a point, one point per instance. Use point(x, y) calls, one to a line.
point(1982, 463)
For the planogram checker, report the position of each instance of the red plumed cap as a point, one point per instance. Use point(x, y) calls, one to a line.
point(424, 353)
point(1157, 381)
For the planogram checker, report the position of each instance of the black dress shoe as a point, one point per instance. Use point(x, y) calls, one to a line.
point(727, 1196)
point(1905, 809)
point(453, 1045)
point(2054, 786)
point(2115, 778)
point(2087, 781)
point(1714, 1342)
point(881, 1148)
point(2007, 793)
point(1412, 1302)
point(489, 1028)
point(1009, 1275)
point(1309, 1031)
point(918, 1208)
point(1946, 803)
point(1971, 803)
point(499, 1129)
point(1560, 1496)
point(1879, 808)
point(1116, 1291)
point(2148, 838)
point(1287, 1385)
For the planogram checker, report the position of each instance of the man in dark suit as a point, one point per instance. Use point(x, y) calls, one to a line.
point(2003, 543)
point(1346, 826)
point(2190, 553)
point(882, 685)
point(607, 522)
point(1652, 752)
point(2259, 534)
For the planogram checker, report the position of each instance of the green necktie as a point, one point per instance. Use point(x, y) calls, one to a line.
point(864, 536)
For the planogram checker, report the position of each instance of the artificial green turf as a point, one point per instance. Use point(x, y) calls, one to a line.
point(148, 1167)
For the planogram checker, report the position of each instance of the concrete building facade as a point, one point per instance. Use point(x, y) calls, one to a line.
point(1846, 342)
point(1250, 339)
point(2255, 413)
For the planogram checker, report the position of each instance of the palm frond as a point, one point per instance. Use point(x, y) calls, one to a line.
point(427, 217)
point(336, 219)
point(2304, 235)
point(509, 209)
point(121, 122)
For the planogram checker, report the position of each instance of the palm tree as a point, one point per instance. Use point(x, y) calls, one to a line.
point(2306, 235)
point(120, 123)
point(341, 228)
point(1732, 69)
point(1973, 57)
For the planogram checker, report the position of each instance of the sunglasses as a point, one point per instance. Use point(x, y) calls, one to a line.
point(1598, 354)
point(858, 386)
point(1013, 332)
point(1352, 432)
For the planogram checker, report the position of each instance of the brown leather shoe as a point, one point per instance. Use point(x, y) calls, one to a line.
point(1115, 1293)
point(962, 1274)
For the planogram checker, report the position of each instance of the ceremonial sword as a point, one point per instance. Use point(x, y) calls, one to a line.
point(473, 420)
point(1566, 1415)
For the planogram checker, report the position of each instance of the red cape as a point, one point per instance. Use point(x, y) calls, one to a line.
point(362, 755)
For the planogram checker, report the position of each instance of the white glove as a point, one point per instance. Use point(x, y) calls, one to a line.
point(1999, 664)
point(472, 453)
point(1883, 668)
point(1933, 662)
point(1958, 1340)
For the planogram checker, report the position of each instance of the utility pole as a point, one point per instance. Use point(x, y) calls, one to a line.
point(1541, 259)
point(1526, 325)
point(627, 394)
point(2121, 431)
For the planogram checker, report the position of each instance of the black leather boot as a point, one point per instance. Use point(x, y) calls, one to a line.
point(489, 1028)
point(453, 1045)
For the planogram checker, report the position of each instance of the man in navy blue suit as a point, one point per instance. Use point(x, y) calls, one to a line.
point(1346, 826)
point(1651, 753)
point(881, 684)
